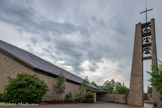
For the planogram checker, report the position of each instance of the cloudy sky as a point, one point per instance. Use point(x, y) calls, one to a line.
point(91, 38)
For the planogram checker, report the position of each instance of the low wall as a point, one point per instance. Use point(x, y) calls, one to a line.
point(149, 98)
point(114, 98)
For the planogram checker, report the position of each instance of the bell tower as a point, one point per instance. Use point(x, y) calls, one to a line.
point(144, 49)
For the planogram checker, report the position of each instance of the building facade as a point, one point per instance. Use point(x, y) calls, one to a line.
point(14, 60)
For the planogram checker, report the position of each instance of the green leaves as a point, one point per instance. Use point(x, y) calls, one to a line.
point(95, 84)
point(25, 88)
point(69, 96)
point(84, 87)
point(121, 89)
point(1, 97)
point(59, 88)
point(149, 89)
point(156, 75)
point(109, 86)
point(115, 87)
point(89, 97)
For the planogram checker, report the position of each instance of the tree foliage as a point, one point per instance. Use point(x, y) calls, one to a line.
point(95, 84)
point(69, 96)
point(1, 97)
point(121, 89)
point(149, 89)
point(59, 88)
point(84, 87)
point(89, 97)
point(25, 88)
point(109, 86)
point(114, 87)
point(156, 77)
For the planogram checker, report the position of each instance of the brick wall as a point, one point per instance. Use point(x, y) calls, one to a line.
point(10, 68)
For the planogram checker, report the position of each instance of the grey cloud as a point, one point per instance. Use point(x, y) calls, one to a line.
point(23, 15)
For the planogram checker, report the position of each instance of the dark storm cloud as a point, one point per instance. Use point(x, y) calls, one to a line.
point(23, 15)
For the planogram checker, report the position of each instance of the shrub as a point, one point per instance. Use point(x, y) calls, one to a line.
point(69, 96)
point(77, 97)
point(25, 88)
point(1, 97)
point(89, 97)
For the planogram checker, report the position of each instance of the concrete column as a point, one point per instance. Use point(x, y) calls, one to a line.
point(155, 94)
point(135, 96)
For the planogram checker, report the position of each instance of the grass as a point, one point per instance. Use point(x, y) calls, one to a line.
point(43, 103)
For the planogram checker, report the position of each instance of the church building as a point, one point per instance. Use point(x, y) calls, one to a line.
point(14, 60)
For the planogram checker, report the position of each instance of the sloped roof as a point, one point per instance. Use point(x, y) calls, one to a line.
point(39, 63)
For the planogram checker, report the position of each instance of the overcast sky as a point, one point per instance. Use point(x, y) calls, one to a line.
point(91, 38)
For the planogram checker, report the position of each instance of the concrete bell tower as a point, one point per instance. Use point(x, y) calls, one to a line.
point(144, 49)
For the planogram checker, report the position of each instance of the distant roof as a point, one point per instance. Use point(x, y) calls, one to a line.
point(39, 63)
point(98, 91)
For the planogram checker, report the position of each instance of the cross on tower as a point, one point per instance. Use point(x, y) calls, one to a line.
point(146, 10)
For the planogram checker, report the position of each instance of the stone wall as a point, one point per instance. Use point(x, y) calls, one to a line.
point(149, 98)
point(114, 98)
point(10, 68)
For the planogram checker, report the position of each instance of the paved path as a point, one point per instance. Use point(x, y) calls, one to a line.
point(96, 105)
point(147, 106)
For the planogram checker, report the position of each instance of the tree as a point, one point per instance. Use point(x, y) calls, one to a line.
point(84, 87)
point(115, 87)
point(156, 75)
point(121, 89)
point(118, 84)
point(109, 86)
point(59, 88)
point(25, 88)
point(149, 89)
point(95, 84)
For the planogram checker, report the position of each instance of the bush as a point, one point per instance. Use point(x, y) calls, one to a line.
point(89, 97)
point(77, 97)
point(1, 97)
point(69, 96)
point(25, 88)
